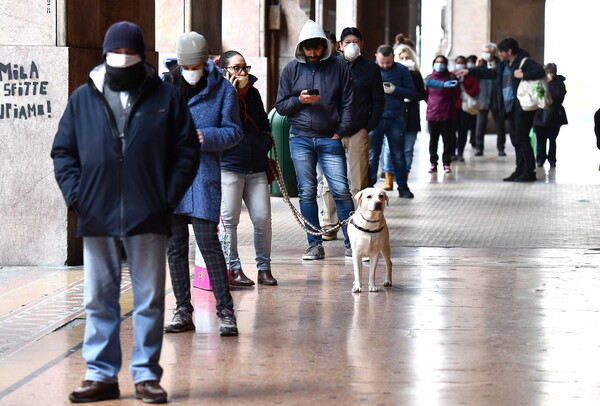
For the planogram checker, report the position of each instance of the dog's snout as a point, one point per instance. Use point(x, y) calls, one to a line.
point(377, 206)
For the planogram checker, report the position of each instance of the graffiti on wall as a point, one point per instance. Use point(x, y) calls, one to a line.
point(24, 93)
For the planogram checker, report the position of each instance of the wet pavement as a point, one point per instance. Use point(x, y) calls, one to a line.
point(494, 302)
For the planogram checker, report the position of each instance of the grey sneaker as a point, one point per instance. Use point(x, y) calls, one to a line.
point(313, 252)
point(348, 252)
point(182, 321)
point(228, 325)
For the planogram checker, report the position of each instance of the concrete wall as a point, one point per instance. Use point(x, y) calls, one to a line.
point(33, 213)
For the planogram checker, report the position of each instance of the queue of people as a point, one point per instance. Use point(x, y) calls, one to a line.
point(192, 148)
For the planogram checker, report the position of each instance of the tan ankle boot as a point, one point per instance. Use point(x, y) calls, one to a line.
point(389, 181)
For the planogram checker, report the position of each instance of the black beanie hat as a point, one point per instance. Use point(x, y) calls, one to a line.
point(124, 34)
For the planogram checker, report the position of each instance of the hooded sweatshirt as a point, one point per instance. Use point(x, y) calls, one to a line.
point(330, 115)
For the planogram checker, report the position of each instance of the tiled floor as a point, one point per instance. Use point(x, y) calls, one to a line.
point(495, 302)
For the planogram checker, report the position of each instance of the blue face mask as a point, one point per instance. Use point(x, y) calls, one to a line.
point(439, 67)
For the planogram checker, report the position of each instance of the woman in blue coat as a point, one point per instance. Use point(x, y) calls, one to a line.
point(213, 105)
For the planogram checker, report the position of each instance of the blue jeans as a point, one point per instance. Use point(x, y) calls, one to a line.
point(253, 190)
point(331, 156)
point(102, 287)
point(393, 130)
point(410, 137)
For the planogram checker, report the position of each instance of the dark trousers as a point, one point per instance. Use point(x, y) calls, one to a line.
point(520, 125)
point(543, 135)
point(179, 267)
point(446, 130)
point(464, 122)
point(482, 120)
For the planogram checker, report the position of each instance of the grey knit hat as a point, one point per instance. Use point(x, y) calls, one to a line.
point(191, 49)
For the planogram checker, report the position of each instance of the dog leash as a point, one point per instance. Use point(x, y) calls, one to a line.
point(300, 219)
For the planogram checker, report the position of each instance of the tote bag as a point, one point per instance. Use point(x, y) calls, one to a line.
point(469, 103)
point(533, 94)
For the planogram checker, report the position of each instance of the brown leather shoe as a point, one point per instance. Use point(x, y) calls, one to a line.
point(150, 392)
point(93, 391)
point(266, 278)
point(239, 279)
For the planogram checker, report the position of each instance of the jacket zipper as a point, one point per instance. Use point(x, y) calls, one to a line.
point(120, 152)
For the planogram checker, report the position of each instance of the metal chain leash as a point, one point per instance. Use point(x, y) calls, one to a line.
point(302, 221)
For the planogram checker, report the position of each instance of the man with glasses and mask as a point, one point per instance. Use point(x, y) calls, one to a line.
point(316, 94)
point(124, 155)
point(368, 106)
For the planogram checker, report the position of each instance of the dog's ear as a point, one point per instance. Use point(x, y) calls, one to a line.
point(387, 199)
point(357, 198)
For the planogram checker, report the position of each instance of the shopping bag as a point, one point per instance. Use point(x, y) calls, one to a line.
point(533, 94)
point(201, 276)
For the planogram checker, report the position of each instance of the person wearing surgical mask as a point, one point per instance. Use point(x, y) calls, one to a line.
point(243, 173)
point(441, 112)
point(488, 100)
point(405, 55)
point(547, 123)
point(464, 120)
point(368, 107)
point(213, 104)
point(111, 164)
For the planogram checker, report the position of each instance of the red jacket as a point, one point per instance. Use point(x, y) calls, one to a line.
point(441, 103)
point(471, 85)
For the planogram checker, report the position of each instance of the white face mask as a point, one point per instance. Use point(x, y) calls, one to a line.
point(486, 56)
point(351, 51)
point(470, 65)
point(408, 63)
point(122, 60)
point(550, 76)
point(192, 76)
point(459, 66)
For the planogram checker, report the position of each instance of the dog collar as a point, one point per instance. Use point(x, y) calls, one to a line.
point(367, 230)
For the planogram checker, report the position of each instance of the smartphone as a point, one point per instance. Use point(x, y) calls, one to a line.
point(313, 92)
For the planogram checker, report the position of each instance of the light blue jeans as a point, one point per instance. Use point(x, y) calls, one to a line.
point(253, 190)
point(331, 156)
point(102, 287)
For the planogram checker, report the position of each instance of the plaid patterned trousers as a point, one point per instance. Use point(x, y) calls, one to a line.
point(179, 266)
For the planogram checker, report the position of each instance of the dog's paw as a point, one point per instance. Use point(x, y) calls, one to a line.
point(356, 288)
point(387, 284)
point(373, 288)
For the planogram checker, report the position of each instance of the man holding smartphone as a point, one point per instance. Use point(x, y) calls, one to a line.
point(318, 123)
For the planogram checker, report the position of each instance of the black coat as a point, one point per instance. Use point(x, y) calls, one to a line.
point(413, 114)
point(122, 192)
point(250, 154)
point(555, 115)
point(369, 98)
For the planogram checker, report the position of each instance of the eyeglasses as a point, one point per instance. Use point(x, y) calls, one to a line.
point(239, 69)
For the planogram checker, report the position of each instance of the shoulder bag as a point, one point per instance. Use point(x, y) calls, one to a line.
point(469, 103)
point(533, 94)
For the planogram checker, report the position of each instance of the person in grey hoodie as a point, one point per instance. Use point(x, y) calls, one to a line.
point(316, 94)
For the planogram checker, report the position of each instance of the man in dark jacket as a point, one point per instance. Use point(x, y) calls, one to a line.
point(397, 86)
point(124, 155)
point(509, 74)
point(316, 94)
point(368, 107)
point(488, 101)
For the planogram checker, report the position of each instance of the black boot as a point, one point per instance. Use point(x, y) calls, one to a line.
point(239, 279)
point(265, 277)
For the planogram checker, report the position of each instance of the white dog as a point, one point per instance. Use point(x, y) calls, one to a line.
point(369, 236)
